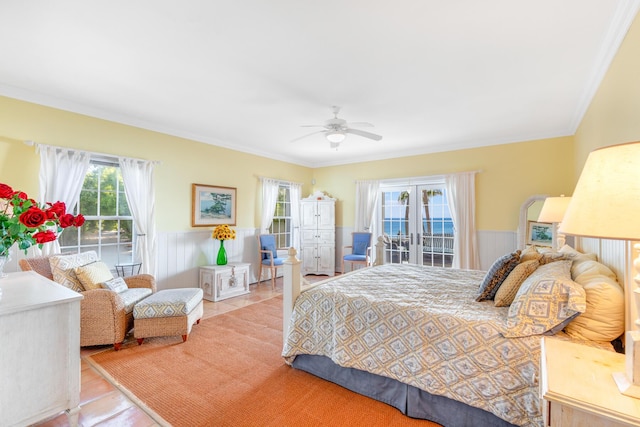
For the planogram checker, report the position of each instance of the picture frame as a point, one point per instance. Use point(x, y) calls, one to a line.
point(212, 205)
point(539, 233)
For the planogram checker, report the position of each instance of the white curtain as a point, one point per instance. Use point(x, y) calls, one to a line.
point(140, 191)
point(295, 194)
point(461, 198)
point(61, 177)
point(269, 199)
point(367, 193)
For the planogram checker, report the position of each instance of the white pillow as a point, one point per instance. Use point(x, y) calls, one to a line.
point(577, 257)
point(603, 319)
point(118, 285)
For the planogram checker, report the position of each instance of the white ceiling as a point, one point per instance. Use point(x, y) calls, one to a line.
point(431, 75)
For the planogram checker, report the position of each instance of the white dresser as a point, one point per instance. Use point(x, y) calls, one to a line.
point(40, 356)
point(220, 282)
point(318, 232)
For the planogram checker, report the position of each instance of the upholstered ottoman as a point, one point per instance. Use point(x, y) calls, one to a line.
point(167, 312)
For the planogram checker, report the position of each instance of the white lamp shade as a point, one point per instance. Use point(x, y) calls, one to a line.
point(606, 200)
point(553, 209)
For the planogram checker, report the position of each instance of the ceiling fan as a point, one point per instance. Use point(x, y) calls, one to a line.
point(336, 130)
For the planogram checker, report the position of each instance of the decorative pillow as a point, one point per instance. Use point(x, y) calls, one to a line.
point(118, 285)
point(508, 289)
point(552, 256)
point(92, 275)
point(530, 253)
point(603, 319)
point(63, 266)
point(577, 257)
point(496, 275)
point(547, 300)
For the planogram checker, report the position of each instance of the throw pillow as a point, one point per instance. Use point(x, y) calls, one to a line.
point(577, 257)
point(92, 275)
point(63, 268)
point(496, 275)
point(509, 288)
point(529, 253)
point(117, 285)
point(547, 300)
point(604, 318)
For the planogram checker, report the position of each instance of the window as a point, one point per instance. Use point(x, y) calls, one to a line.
point(281, 225)
point(108, 227)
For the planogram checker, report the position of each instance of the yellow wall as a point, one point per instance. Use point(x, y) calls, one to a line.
point(509, 174)
point(613, 116)
point(183, 162)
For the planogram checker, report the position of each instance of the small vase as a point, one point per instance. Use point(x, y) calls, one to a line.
point(222, 254)
point(4, 259)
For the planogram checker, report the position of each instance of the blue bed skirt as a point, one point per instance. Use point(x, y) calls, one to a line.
point(409, 400)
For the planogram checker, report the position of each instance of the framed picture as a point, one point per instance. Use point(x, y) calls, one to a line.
point(212, 205)
point(539, 233)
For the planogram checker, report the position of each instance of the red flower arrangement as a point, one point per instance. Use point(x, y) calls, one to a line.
point(24, 222)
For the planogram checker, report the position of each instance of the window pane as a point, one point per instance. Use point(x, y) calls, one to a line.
point(125, 231)
point(90, 232)
point(89, 202)
point(123, 206)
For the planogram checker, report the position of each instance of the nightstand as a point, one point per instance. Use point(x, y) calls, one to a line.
point(577, 389)
point(220, 282)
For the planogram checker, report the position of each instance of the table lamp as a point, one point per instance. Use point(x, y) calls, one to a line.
point(553, 211)
point(606, 204)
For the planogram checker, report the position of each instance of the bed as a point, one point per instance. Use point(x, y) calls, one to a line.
point(417, 338)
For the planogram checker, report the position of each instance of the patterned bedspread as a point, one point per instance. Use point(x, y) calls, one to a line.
point(422, 326)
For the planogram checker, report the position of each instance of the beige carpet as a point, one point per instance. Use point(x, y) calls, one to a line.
point(230, 373)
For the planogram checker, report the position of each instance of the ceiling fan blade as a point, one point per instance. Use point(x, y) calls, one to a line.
point(312, 126)
point(361, 124)
point(304, 136)
point(364, 134)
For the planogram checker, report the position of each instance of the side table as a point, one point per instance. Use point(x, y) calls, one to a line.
point(577, 388)
point(132, 267)
point(220, 282)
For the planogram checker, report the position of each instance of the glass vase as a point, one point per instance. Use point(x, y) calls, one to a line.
point(222, 254)
point(4, 260)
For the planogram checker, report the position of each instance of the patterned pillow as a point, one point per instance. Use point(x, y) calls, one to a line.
point(508, 289)
point(546, 302)
point(63, 268)
point(530, 253)
point(118, 285)
point(496, 275)
point(92, 275)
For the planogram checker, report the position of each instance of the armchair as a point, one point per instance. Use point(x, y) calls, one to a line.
point(105, 315)
point(268, 251)
point(360, 250)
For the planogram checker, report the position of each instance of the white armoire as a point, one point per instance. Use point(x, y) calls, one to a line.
point(318, 234)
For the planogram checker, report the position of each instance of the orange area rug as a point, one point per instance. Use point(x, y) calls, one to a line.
point(230, 373)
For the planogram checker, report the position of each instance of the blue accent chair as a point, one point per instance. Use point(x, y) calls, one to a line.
point(360, 250)
point(269, 256)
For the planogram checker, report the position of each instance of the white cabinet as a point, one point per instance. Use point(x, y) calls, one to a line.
point(318, 235)
point(40, 356)
point(220, 282)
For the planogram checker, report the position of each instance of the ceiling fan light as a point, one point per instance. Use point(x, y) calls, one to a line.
point(335, 136)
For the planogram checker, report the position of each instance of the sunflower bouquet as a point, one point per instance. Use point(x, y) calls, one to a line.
point(223, 232)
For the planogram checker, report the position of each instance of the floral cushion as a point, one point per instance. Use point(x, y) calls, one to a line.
point(509, 288)
point(63, 268)
point(168, 303)
point(546, 302)
point(92, 275)
point(496, 275)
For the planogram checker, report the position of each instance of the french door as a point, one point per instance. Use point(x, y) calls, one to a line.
point(418, 222)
